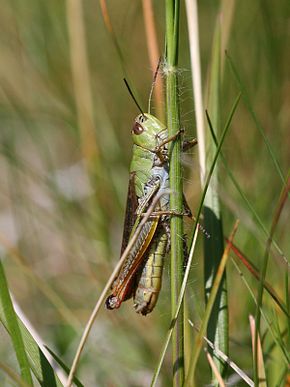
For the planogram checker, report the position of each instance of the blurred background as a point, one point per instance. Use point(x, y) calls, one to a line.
point(65, 148)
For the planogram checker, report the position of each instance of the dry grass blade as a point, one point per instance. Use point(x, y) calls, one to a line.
point(192, 24)
point(215, 371)
point(107, 287)
point(226, 359)
point(81, 80)
point(261, 367)
point(154, 55)
point(255, 272)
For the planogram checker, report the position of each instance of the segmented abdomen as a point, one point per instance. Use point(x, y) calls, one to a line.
point(149, 284)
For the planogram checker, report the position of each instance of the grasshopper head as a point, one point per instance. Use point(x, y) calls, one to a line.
point(146, 130)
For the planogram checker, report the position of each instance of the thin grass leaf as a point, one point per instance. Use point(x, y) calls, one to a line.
point(9, 320)
point(215, 371)
point(105, 290)
point(40, 366)
point(63, 366)
point(245, 199)
point(269, 324)
point(255, 272)
point(258, 124)
point(277, 213)
point(192, 246)
point(217, 330)
point(279, 336)
point(193, 35)
point(212, 297)
point(226, 359)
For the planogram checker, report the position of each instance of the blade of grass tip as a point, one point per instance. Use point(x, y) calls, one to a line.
point(13, 375)
point(261, 368)
point(175, 174)
point(154, 55)
point(63, 366)
point(265, 261)
point(214, 369)
point(258, 124)
point(226, 359)
point(40, 343)
point(9, 319)
point(217, 329)
point(192, 244)
point(215, 287)
point(238, 188)
point(106, 289)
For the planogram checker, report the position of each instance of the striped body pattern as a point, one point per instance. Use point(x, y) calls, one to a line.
point(140, 275)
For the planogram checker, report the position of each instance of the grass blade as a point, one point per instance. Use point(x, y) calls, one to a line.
point(9, 319)
point(212, 297)
point(217, 329)
point(176, 199)
point(247, 101)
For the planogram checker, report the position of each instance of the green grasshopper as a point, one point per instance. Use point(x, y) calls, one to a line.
point(141, 274)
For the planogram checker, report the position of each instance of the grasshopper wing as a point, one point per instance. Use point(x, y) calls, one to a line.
point(130, 215)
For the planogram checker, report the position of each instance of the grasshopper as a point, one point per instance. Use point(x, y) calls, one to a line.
point(141, 274)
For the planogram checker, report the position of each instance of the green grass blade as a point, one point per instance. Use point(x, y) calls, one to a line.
point(8, 314)
point(40, 366)
point(264, 267)
point(217, 329)
point(63, 366)
point(245, 199)
point(192, 245)
point(192, 367)
point(199, 338)
point(176, 224)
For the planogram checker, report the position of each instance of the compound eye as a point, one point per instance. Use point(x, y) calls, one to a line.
point(137, 128)
point(142, 118)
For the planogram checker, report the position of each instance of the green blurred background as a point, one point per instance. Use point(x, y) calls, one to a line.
point(64, 171)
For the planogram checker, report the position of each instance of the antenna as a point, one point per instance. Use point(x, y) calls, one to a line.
point(132, 95)
point(153, 84)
